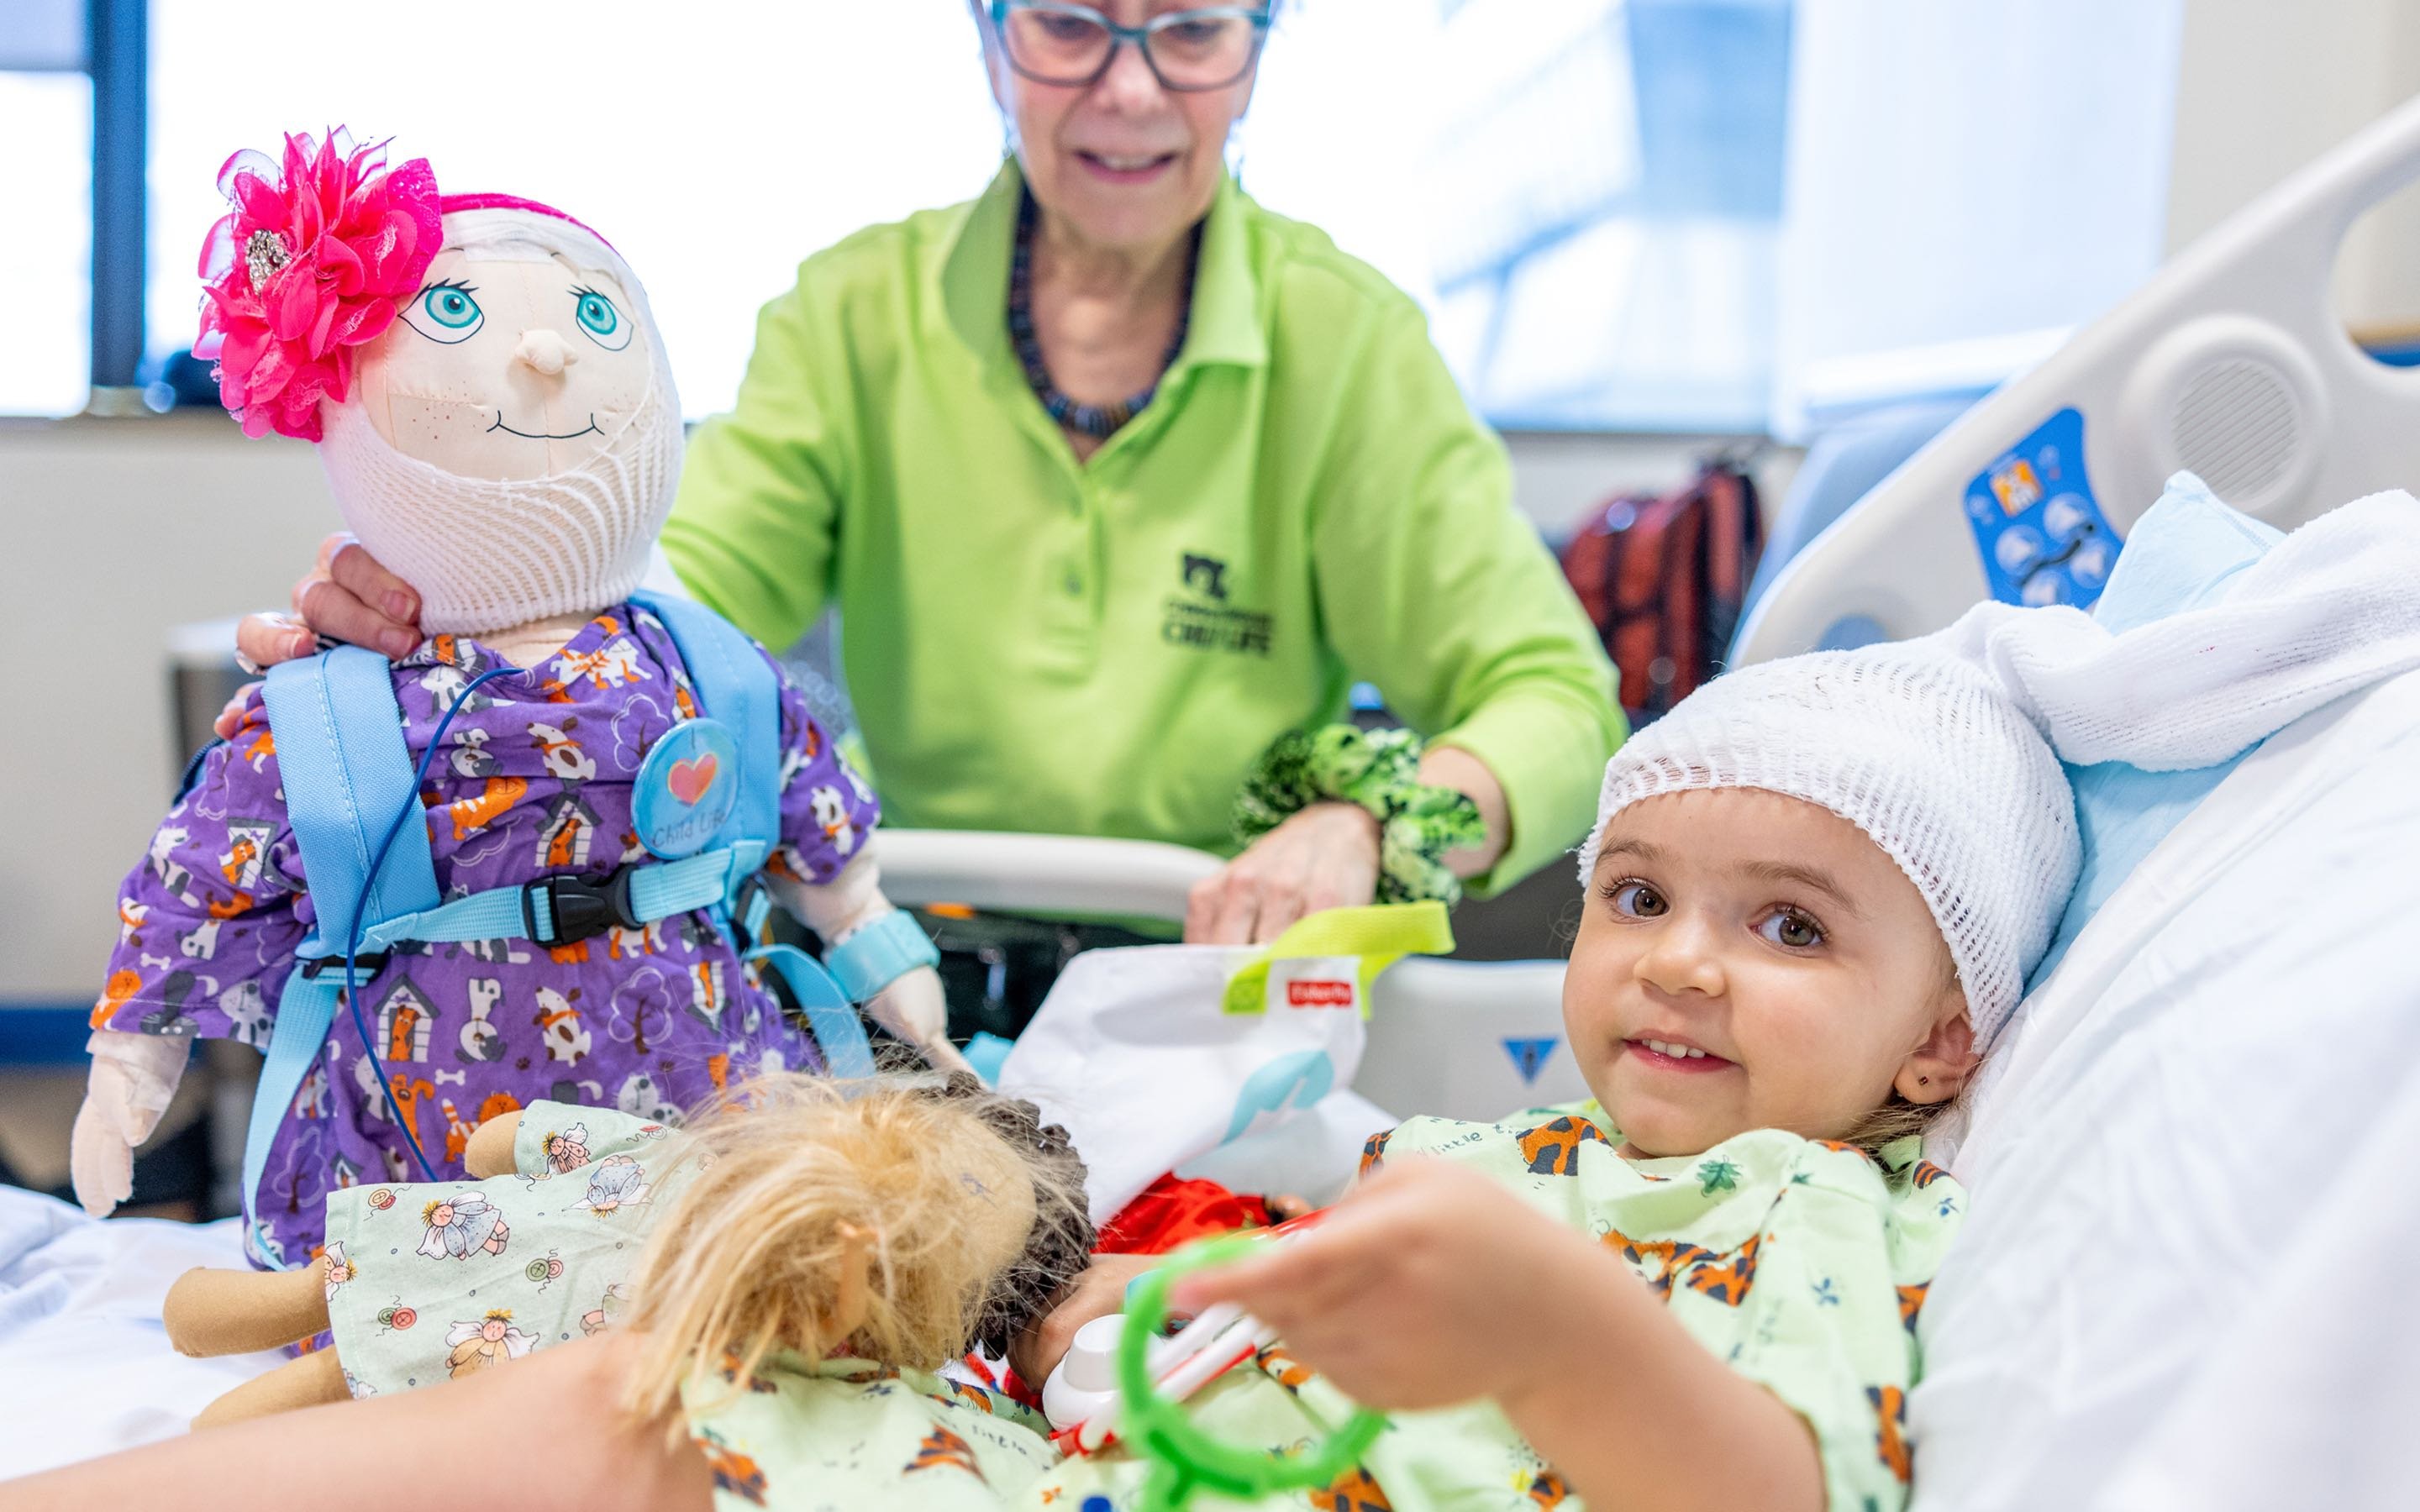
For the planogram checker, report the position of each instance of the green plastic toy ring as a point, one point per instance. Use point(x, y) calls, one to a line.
point(1187, 1459)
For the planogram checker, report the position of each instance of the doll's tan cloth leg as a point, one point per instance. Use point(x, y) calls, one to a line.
point(490, 1150)
point(313, 1379)
point(234, 1312)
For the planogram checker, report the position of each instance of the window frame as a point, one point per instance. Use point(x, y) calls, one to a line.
point(118, 60)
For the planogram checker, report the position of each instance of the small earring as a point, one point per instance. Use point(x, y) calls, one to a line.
point(1924, 1081)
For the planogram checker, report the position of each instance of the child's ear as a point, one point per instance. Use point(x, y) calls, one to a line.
point(1935, 1070)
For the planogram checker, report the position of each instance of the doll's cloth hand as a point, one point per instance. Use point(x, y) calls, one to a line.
point(912, 1006)
point(1324, 857)
point(840, 907)
point(134, 1076)
point(100, 1158)
point(913, 1009)
point(1431, 1284)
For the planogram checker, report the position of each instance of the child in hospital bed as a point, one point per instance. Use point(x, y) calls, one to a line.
point(1814, 890)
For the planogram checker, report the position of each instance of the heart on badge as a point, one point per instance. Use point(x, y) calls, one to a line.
point(687, 789)
point(691, 780)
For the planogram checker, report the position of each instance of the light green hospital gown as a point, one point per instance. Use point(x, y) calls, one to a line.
point(1801, 1263)
point(434, 1281)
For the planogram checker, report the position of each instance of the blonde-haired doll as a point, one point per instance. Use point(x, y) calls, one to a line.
point(896, 1221)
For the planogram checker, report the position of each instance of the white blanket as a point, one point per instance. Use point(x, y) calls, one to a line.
point(2327, 611)
point(85, 1364)
point(2184, 1281)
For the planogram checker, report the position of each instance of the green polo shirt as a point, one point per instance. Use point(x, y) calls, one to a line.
point(1103, 647)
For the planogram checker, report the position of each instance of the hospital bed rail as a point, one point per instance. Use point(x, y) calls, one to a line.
point(2232, 361)
point(1462, 1038)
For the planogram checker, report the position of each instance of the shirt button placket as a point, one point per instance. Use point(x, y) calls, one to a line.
point(1071, 563)
point(1077, 574)
point(1064, 579)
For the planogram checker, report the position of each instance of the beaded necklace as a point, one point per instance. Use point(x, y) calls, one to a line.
point(1100, 422)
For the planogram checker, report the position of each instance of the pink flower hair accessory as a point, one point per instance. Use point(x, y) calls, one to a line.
point(312, 262)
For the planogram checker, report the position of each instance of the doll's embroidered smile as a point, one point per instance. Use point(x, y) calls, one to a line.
point(508, 430)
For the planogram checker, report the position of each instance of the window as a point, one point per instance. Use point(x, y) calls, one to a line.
point(1728, 214)
point(1586, 194)
point(1629, 214)
point(1967, 185)
point(46, 98)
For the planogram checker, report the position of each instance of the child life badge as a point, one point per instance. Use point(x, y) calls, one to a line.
point(686, 788)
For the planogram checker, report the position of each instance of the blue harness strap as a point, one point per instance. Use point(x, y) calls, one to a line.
point(737, 685)
point(347, 773)
point(831, 1016)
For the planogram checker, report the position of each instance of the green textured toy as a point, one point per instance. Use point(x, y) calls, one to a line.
point(1185, 1458)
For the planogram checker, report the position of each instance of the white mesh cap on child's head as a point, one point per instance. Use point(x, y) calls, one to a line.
point(1946, 749)
point(484, 554)
point(1919, 748)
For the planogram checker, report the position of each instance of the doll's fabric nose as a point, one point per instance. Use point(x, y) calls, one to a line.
point(545, 351)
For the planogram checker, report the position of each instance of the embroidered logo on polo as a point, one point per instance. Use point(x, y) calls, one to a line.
point(686, 788)
point(1208, 574)
point(1199, 617)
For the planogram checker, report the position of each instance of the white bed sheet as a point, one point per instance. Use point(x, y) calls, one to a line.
point(85, 1364)
point(2184, 1283)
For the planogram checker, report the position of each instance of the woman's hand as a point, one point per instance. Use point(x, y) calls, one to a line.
point(1325, 856)
point(346, 596)
point(1098, 1293)
point(1429, 1285)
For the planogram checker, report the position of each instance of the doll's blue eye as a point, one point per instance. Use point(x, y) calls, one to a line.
point(450, 307)
point(600, 321)
point(445, 313)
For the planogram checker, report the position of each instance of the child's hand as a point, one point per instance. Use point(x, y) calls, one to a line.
point(1428, 1286)
point(1098, 1293)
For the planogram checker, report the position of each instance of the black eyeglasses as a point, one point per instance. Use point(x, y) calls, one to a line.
point(1052, 42)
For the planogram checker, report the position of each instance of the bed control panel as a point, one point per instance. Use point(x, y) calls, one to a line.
point(2042, 532)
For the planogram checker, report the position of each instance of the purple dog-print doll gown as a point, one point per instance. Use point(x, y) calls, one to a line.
point(535, 780)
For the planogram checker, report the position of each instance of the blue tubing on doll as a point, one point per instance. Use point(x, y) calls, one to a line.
point(361, 903)
point(1186, 1459)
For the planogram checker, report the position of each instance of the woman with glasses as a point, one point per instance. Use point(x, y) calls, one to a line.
point(1116, 478)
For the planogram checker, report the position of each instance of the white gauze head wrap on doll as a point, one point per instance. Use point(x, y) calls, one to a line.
point(511, 458)
point(1917, 747)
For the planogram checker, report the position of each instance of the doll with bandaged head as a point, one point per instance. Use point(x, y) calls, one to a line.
point(497, 418)
point(896, 1220)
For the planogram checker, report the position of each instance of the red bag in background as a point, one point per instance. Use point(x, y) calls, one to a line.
point(1664, 578)
point(1170, 1213)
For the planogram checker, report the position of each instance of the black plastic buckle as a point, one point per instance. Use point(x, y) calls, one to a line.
point(580, 910)
point(369, 962)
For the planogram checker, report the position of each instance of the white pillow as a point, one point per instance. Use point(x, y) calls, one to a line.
point(2155, 1301)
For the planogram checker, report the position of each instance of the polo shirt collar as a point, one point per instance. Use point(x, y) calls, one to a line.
point(1226, 321)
